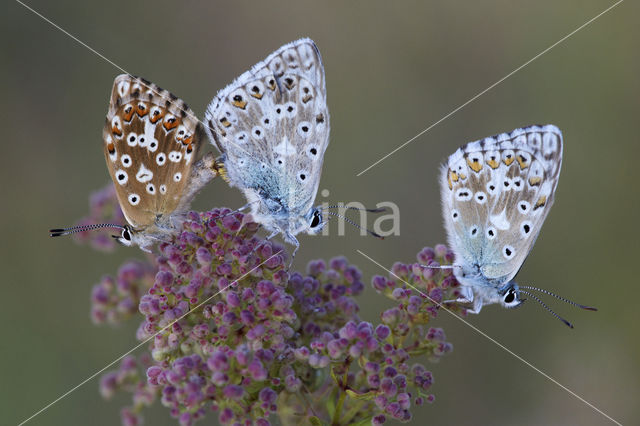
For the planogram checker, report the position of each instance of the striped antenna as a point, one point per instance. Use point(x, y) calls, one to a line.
point(578, 305)
point(547, 308)
point(339, 206)
point(58, 232)
point(356, 225)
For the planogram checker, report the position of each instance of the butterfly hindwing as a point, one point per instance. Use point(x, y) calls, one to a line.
point(151, 141)
point(272, 125)
point(496, 194)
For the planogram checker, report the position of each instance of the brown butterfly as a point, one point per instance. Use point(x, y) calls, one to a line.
point(151, 142)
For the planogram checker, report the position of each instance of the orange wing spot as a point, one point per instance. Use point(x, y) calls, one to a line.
point(454, 176)
point(239, 103)
point(116, 130)
point(449, 181)
point(508, 160)
point(271, 84)
point(142, 109)
point(257, 95)
point(475, 165)
point(187, 141)
point(170, 123)
point(541, 202)
point(462, 176)
point(189, 148)
point(522, 161)
point(225, 122)
point(128, 113)
point(111, 148)
point(493, 162)
point(535, 180)
point(157, 115)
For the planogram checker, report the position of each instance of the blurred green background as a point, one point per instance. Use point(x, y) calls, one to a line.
point(393, 69)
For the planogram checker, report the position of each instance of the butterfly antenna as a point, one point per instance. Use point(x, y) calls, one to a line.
point(58, 232)
point(547, 308)
point(356, 225)
point(588, 308)
point(338, 206)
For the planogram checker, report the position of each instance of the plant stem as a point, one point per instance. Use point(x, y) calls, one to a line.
point(353, 411)
point(336, 415)
point(343, 396)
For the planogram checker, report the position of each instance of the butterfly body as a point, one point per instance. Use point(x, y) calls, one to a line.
point(272, 127)
point(496, 194)
point(151, 142)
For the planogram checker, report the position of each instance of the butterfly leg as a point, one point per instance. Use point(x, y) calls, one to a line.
point(293, 240)
point(466, 297)
point(477, 307)
point(146, 249)
point(260, 244)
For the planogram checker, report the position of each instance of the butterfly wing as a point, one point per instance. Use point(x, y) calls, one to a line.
point(272, 125)
point(151, 140)
point(496, 194)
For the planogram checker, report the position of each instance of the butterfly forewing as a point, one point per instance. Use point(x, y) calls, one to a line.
point(496, 194)
point(272, 124)
point(151, 141)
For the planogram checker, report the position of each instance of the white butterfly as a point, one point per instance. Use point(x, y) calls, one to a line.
point(496, 194)
point(272, 127)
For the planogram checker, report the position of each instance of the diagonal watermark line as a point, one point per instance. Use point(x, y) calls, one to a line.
point(518, 357)
point(121, 69)
point(88, 379)
point(73, 37)
point(489, 88)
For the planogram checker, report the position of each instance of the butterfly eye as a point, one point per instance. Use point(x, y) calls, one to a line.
point(126, 234)
point(315, 221)
point(509, 297)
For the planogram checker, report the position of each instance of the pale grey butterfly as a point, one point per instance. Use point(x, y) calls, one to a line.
point(272, 127)
point(496, 193)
